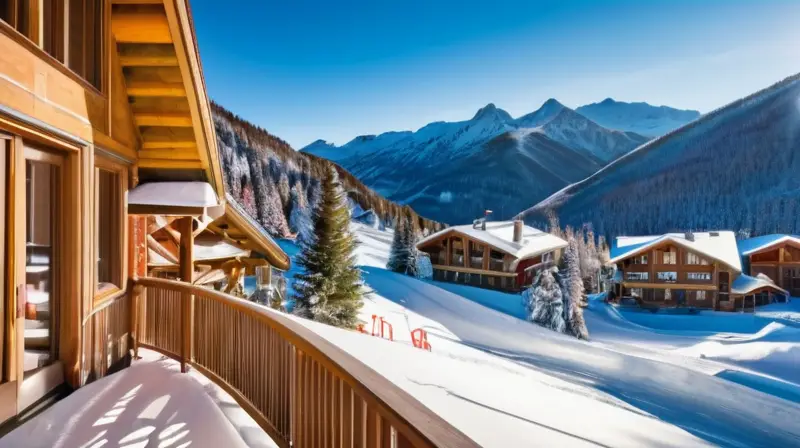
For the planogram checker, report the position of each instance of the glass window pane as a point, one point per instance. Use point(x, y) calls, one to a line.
point(107, 213)
point(40, 179)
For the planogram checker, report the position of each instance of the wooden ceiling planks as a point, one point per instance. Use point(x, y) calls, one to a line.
point(155, 85)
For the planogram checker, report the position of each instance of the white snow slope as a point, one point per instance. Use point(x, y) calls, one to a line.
point(507, 382)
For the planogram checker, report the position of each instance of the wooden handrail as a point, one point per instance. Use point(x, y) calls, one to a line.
point(322, 379)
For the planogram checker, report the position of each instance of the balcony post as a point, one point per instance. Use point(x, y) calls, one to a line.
point(186, 272)
point(135, 304)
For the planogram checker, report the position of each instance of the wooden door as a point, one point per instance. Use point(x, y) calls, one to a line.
point(724, 286)
point(8, 383)
point(38, 273)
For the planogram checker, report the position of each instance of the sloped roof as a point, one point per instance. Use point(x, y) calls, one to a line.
point(236, 215)
point(500, 235)
point(745, 284)
point(720, 246)
point(759, 243)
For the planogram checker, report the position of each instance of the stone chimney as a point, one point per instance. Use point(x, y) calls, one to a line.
point(518, 230)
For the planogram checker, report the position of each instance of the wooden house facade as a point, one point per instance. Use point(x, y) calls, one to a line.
point(500, 255)
point(700, 270)
point(775, 256)
point(99, 101)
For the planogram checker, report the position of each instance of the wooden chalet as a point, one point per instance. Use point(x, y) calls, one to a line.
point(115, 222)
point(498, 255)
point(700, 270)
point(775, 256)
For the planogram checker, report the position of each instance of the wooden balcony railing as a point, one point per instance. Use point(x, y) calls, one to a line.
point(303, 390)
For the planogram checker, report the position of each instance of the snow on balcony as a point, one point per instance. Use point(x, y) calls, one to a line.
point(149, 404)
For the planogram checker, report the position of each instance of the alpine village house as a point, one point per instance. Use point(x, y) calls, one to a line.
point(118, 234)
point(699, 270)
point(502, 255)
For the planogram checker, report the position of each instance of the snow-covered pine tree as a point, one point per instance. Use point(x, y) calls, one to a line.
point(546, 301)
point(410, 240)
point(572, 292)
point(397, 254)
point(329, 288)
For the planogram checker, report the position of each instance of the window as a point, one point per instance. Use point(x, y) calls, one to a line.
point(704, 276)
point(667, 295)
point(700, 295)
point(641, 259)
point(85, 36)
point(636, 292)
point(669, 256)
point(695, 259)
point(669, 277)
point(637, 276)
point(110, 183)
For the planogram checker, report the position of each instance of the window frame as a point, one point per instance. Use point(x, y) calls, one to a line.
point(32, 37)
point(642, 276)
point(663, 278)
point(689, 276)
point(119, 238)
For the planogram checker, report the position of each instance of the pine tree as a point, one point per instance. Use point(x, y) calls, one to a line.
point(545, 301)
point(573, 294)
point(329, 288)
point(397, 258)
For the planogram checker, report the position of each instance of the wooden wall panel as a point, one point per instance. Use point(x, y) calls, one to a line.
point(122, 128)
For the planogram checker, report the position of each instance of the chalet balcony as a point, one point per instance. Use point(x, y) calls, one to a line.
point(201, 355)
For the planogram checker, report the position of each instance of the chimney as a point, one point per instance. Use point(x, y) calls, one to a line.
point(689, 236)
point(486, 214)
point(517, 230)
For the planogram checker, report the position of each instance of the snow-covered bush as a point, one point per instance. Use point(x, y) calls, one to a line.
point(545, 301)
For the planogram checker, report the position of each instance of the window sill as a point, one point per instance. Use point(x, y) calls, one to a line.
point(106, 293)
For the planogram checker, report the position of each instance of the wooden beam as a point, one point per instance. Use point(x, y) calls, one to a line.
point(156, 118)
point(465, 251)
point(155, 88)
point(210, 276)
point(186, 272)
point(474, 271)
point(170, 164)
point(157, 222)
point(137, 2)
point(169, 144)
point(133, 55)
point(169, 153)
point(152, 243)
point(145, 26)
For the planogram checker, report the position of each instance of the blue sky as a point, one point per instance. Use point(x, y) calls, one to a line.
point(337, 69)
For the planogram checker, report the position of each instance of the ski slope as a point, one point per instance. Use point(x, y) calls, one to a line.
point(506, 382)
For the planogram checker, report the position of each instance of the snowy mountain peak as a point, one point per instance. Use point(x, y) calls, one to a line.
point(641, 118)
point(542, 115)
point(491, 112)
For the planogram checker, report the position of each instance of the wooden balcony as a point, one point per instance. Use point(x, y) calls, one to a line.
point(301, 389)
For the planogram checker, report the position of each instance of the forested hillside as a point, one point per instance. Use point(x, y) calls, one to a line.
point(279, 186)
point(735, 168)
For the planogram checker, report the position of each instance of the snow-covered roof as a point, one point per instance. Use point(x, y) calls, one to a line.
point(745, 284)
point(759, 243)
point(720, 246)
point(182, 194)
point(500, 235)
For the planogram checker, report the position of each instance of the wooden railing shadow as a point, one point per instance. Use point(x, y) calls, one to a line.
point(300, 388)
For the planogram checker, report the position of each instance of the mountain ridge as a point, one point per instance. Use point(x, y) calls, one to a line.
point(731, 168)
